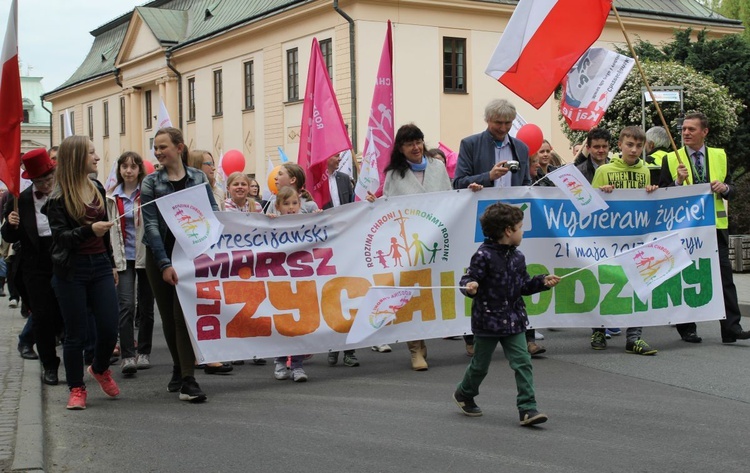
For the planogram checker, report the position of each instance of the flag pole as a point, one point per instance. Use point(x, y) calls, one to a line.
point(648, 86)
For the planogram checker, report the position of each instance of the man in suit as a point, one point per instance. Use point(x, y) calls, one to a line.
point(481, 163)
point(31, 227)
point(339, 183)
point(701, 164)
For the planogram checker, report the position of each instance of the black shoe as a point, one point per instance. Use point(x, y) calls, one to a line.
point(692, 337)
point(176, 382)
point(532, 417)
point(467, 404)
point(27, 352)
point(50, 377)
point(223, 368)
point(742, 335)
point(190, 391)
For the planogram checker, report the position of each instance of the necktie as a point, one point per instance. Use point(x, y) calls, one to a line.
point(698, 167)
point(40, 195)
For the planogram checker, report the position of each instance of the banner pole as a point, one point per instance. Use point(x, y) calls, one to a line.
point(648, 86)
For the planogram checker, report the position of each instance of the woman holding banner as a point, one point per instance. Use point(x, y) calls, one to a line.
point(411, 172)
point(84, 275)
point(171, 152)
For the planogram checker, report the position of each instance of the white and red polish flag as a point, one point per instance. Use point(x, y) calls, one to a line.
point(11, 107)
point(323, 132)
point(379, 138)
point(542, 41)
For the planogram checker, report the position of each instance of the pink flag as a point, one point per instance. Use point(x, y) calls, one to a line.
point(451, 158)
point(11, 106)
point(379, 138)
point(323, 131)
point(542, 41)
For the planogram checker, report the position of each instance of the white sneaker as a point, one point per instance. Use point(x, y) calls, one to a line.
point(281, 372)
point(538, 335)
point(142, 361)
point(128, 366)
point(13, 303)
point(384, 348)
point(299, 375)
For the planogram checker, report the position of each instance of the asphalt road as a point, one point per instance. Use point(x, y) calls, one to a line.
point(682, 410)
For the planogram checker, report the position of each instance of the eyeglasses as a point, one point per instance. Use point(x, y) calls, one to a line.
point(208, 163)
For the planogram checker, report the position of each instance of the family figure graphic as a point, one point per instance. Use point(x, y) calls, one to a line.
point(415, 250)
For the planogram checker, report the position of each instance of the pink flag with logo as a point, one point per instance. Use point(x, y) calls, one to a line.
point(379, 138)
point(323, 132)
point(451, 158)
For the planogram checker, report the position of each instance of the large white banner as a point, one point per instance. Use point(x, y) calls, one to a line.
point(292, 285)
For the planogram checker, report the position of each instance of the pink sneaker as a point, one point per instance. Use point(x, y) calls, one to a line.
point(106, 382)
point(77, 399)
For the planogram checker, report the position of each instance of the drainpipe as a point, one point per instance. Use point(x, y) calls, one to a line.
point(117, 77)
point(168, 55)
point(41, 97)
point(352, 73)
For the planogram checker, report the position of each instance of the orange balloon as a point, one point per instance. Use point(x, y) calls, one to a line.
point(272, 179)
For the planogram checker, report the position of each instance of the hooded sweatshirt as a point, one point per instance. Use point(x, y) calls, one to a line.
point(618, 174)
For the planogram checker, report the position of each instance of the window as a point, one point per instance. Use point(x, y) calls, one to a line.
point(26, 116)
point(218, 95)
point(62, 127)
point(326, 49)
point(454, 64)
point(292, 75)
point(90, 112)
point(122, 115)
point(191, 99)
point(249, 85)
point(73, 122)
point(105, 110)
point(149, 110)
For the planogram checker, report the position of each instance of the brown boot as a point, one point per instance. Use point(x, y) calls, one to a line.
point(535, 349)
point(417, 359)
point(423, 349)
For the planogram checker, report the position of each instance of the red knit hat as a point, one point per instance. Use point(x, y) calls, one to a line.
point(36, 163)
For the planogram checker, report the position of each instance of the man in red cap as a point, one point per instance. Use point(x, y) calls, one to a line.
point(29, 226)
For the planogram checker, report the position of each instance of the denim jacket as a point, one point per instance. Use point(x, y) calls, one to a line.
point(157, 185)
point(498, 308)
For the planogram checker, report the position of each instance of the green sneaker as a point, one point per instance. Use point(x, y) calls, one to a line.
point(639, 347)
point(598, 341)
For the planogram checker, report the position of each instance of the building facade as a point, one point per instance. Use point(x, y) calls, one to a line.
point(35, 129)
point(232, 73)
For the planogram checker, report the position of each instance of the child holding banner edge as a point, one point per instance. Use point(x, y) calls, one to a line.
point(495, 280)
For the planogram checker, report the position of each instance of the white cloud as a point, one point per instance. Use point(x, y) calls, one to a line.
point(53, 36)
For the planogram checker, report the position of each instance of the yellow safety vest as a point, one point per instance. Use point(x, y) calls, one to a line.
point(717, 171)
point(658, 155)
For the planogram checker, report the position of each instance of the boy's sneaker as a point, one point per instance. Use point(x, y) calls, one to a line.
point(13, 303)
point(106, 382)
point(350, 360)
point(299, 375)
point(612, 332)
point(538, 335)
point(281, 371)
point(598, 341)
point(384, 348)
point(467, 404)
point(333, 357)
point(639, 347)
point(77, 399)
point(176, 382)
point(128, 366)
point(143, 361)
point(532, 417)
point(190, 391)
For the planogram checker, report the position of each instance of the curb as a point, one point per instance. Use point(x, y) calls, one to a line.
point(29, 449)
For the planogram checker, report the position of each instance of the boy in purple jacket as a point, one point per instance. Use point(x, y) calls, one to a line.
point(496, 280)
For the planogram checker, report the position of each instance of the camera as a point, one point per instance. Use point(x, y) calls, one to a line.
point(513, 166)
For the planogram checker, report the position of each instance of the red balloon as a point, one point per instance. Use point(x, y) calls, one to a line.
point(532, 136)
point(233, 161)
point(149, 166)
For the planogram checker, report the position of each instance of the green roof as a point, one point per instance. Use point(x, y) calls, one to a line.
point(179, 23)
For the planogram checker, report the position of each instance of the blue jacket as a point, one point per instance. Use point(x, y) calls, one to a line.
point(476, 157)
point(157, 185)
point(498, 309)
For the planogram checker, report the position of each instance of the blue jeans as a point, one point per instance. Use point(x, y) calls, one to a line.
point(126, 292)
point(26, 338)
point(91, 288)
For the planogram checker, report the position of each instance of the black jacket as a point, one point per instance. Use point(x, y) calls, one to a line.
point(35, 255)
point(68, 234)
